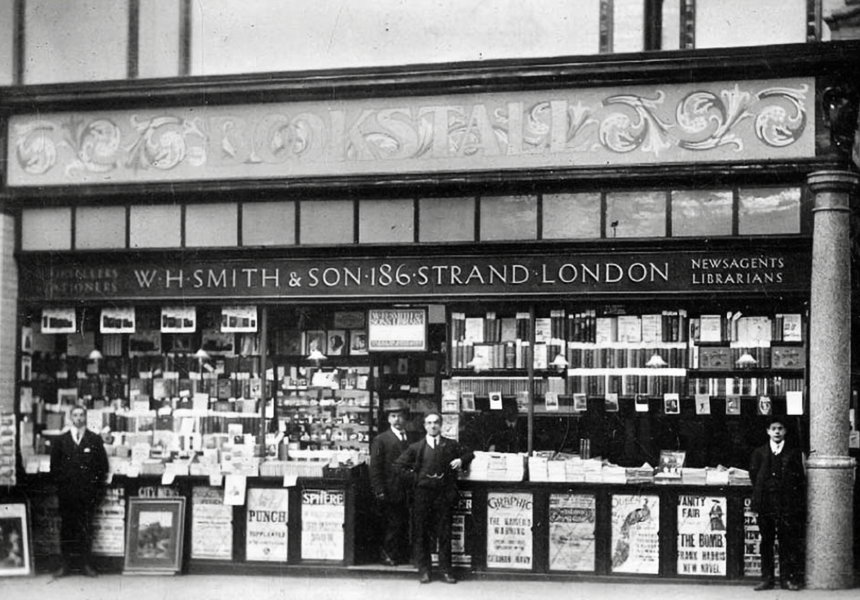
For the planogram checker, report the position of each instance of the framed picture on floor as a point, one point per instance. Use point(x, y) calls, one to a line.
point(16, 552)
point(155, 533)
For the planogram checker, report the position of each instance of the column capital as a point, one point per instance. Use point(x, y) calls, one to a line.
point(833, 181)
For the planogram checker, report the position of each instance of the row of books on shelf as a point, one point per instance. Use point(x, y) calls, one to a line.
point(626, 385)
point(577, 326)
point(679, 355)
point(745, 386)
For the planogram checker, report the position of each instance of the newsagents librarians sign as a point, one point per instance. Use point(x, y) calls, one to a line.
point(770, 271)
point(635, 125)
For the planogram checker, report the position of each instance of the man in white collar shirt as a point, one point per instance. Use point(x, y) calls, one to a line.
point(779, 494)
point(392, 493)
point(79, 465)
point(432, 464)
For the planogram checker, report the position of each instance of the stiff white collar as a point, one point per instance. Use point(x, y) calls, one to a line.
point(776, 448)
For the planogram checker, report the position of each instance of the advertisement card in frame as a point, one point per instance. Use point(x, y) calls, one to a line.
point(16, 554)
point(155, 535)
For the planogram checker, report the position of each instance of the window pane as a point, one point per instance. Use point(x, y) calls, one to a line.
point(446, 220)
point(155, 226)
point(237, 36)
point(159, 39)
point(84, 40)
point(670, 29)
point(571, 216)
point(508, 218)
point(326, 222)
point(769, 211)
point(628, 26)
point(269, 224)
point(386, 221)
point(46, 229)
point(7, 42)
point(701, 213)
point(100, 227)
point(209, 225)
point(727, 23)
point(635, 214)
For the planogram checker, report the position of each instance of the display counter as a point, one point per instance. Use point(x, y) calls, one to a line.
point(643, 531)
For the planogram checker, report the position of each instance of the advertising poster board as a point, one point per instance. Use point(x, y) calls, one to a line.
point(701, 535)
point(752, 542)
point(509, 530)
point(397, 330)
point(211, 525)
point(635, 534)
point(266, 524)
point(571, 532)
point(323, 514)
point(462, 530)
point(109, 524)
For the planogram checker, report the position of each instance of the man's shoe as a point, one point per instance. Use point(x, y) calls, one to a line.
point(59, 572)
point(89, 571)
point(764, 585)
point(448, 578)
point(387, 560)
point(425, 578)
point(791, 586)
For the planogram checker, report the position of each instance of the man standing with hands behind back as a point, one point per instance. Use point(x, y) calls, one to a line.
point(779, 494)
point(390, 488)
point(79, 465)
point(432, 464)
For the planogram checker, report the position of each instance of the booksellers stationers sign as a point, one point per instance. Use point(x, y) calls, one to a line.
point(771, 271)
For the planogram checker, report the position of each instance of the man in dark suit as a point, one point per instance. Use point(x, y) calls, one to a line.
point(432, 464)
point(79, 465)
point(779, 494)
point(389, 487)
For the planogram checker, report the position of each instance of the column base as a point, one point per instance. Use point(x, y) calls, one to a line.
point(830, 523)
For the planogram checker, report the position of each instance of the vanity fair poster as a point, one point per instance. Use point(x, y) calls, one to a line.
point(701, 535)
point(635, 534)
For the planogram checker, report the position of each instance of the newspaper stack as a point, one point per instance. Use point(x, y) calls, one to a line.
point(739, 477)
point(614, 474)
point(497, 466)
point(593, 468)
point(643, 474)
point(717, 476)
point(692, 476)
point(538, 468)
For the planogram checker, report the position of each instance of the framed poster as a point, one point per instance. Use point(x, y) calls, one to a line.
point(635, 534)
point(571, 532)
point(239, 319)
point(16, 552)
point(178, 319)
point(509, 530)
point(357, 342)
point(397, 330)
point(117, 320)
point(323, 514)
point(701, 535)
point(155, 534)
point(59, 320)
point(337, 340)
point(267, 524)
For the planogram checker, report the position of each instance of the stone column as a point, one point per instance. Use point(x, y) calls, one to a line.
point(830, 471)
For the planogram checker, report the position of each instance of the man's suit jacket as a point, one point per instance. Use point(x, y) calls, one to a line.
point(793, 493)
point(79, 470)
point(409, 463)
point(386, 449)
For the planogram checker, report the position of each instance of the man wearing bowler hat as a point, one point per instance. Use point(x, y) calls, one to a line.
point(388, 486)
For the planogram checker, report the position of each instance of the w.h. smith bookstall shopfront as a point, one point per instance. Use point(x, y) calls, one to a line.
point(237, 276)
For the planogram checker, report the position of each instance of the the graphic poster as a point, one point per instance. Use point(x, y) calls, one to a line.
point(509, 530)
